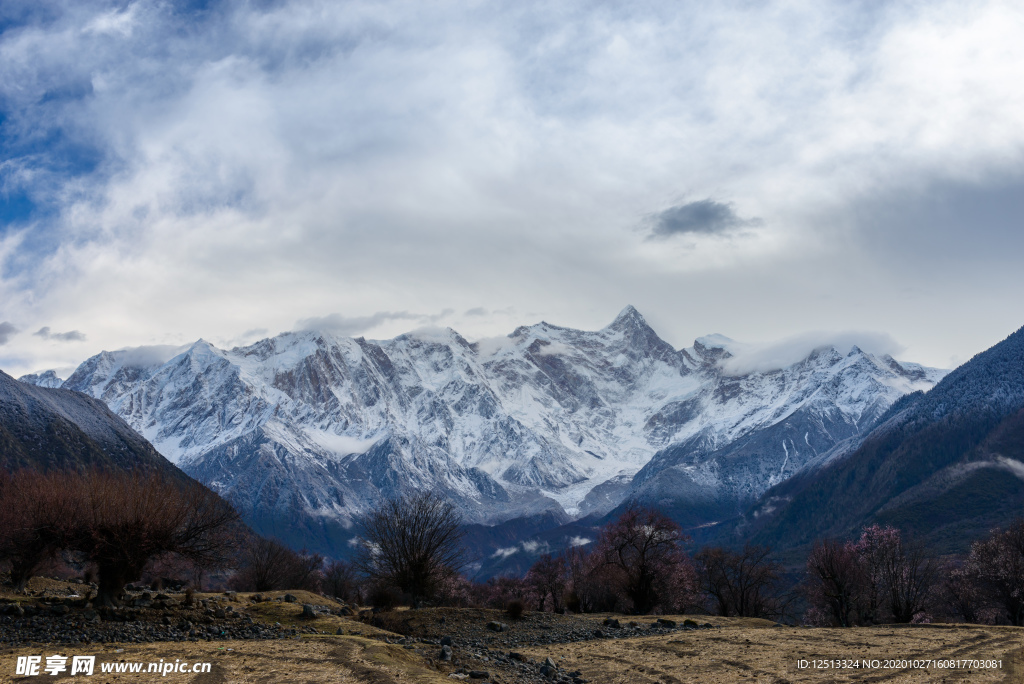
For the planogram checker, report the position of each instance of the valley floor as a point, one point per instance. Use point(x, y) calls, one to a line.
point(404, 646)
point(739, 652)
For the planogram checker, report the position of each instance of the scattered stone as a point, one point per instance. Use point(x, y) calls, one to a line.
point(496, 626)
point(665, 622)
point(446, 653)
point(307, 612)
point(446, 641)
point(290, 598)
point(479, 674)
point(611, 622)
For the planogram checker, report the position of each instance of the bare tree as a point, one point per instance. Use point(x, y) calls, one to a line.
point(960, 591)
point(118, 521)
point(997, 564)
point(38, 513)
point(909, 575)
point(413, 543)
point(835, 580)
point(744, 584)
point(581, 570)
point(340, 581)
point(643, 547)
point(547, 576)
point(267, 564)
point(126, 520)
point(898, 576)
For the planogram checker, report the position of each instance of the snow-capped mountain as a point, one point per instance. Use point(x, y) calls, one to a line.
point(306, 429)
point(45, 379)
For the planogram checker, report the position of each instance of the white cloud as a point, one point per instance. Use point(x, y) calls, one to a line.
point(554, 349)
point(342, 445)
point(150, 356)
point(255, 164)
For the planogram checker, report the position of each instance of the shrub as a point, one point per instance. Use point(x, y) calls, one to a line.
point(384, 597)
point(514, 609)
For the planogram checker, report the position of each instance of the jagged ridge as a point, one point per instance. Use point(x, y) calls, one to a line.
point(313, 428)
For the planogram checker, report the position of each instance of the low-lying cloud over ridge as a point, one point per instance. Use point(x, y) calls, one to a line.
point(763, 357)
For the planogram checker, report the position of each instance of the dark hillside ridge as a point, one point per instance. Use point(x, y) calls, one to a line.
point(945, 466)
point(50, 429)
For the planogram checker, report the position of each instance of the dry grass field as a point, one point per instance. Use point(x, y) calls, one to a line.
point(741, 651)
point(736, 650)
point(754, 651)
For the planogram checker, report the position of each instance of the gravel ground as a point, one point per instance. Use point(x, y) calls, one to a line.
point(60, 623)
point(456, 643)
point(485, 644)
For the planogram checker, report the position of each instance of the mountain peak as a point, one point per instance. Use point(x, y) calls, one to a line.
point(715, 341)
point(628, 318)
point(45, 379)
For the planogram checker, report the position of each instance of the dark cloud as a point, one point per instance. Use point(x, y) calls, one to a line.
point(69, 336)
point(705, 217)
point(476, 311)
point(6, 331)
point(348, 326)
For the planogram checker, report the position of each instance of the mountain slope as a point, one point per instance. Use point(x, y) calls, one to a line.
point(60, 429)
point(946, 465)
point(305, 430)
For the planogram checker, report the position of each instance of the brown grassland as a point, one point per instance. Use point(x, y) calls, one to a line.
point(738, 650)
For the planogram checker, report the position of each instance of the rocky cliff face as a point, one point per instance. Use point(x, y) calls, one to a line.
point(306, 430)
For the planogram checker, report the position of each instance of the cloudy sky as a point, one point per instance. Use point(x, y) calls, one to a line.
point(230, 170)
